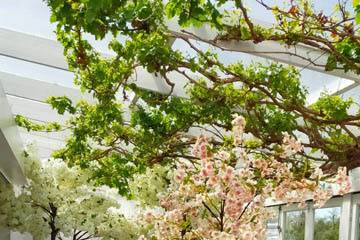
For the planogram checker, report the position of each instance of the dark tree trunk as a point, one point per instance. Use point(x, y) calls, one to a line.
point(53, 234)
point(54, 229)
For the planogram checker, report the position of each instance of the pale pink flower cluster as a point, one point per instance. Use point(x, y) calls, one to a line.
point(343, 180)
point(280, 182)
point(321, 196)
point(180, 174)
point(200, 147)
point(290, 146)
point(238, 124)
point(210, 199)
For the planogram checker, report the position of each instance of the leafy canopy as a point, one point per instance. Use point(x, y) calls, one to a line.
point(114, 145)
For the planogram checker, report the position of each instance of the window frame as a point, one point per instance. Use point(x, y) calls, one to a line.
point(355, 233)
point(310, 216)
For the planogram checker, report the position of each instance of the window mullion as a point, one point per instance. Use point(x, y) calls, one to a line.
point(309, 221)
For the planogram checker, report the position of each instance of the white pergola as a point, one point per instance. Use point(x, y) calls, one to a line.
point(32, 68)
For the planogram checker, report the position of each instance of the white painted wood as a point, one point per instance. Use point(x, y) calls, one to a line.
point(45, 141)
point(309, 221)
point(354, 175)
point(355, 223)
point(49, 53)
point(27, 96)
point(345, 218)
point(10, 144)
point(151, 82)
point(58, 136)
point(35, 110)
point(44, 146)
point(43, 112)
point(355, 234)
point(345, 89)
point(282, 223)
point(42, 50)
point(267, 49)
point(38, 90)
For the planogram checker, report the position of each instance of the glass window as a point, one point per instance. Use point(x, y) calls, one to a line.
point(272, 226)
point(327, 222)
point(295, 225)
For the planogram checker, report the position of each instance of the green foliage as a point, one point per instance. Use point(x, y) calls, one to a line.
point(356, 5)
point(194, 12)
point(116, 143)
point(154, 51)
point(333, 107)
point(61, 104)
point(327, 229)
point(295, 226)
point(326, 226)
point(101, 17)
point(349, 50)
point(32, 126)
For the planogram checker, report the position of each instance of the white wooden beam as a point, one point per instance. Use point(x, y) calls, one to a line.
point(28, 95)
point(44, 145)
point(35, 110)
point(282, 223)
point(309, 221)
point(38, 90)
point(345, 218)
point(49, 53)
point(155, 83)
point(346, 89)
point(268, 49)
point(10, 144)
point(57, 137)
point(355, 218)
point(32, 48)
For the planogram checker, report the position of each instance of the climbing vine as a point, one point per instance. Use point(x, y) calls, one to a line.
point(116, 142)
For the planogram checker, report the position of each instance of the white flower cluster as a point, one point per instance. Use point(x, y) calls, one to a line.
point(65, 196)
point(145, 187)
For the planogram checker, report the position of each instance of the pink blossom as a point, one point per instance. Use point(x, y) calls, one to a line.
point(210, 187)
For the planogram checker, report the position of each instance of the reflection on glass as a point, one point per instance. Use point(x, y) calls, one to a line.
point(272, 229)
point(327, 222)
point(295, 225)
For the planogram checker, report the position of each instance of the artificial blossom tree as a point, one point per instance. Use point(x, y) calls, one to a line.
point(59, 202)
point(210, 199)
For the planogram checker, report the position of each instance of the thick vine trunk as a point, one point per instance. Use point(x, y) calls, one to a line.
point(350, 159)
